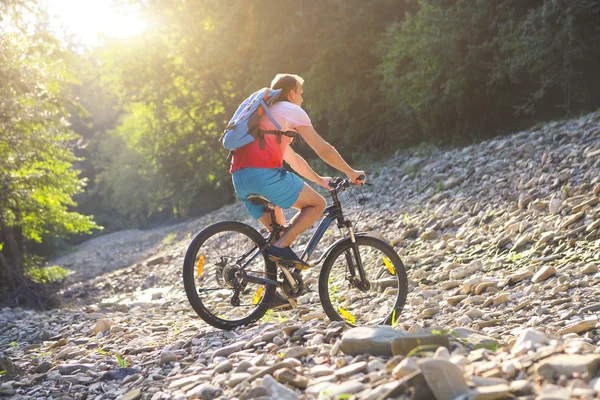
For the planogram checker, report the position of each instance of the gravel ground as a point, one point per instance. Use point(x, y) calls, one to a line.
point(501, 244)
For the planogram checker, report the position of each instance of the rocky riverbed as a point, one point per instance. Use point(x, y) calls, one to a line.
point(502, 247)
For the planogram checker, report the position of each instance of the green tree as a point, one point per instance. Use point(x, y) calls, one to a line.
point(551, 53)
point(179, 86)
point(452, 71)
point(437, 65)
point(37, 180)
point(468, 69)
point(343, 89)
point(182, 81)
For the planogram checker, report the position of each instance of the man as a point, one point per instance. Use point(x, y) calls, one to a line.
point(259, 169)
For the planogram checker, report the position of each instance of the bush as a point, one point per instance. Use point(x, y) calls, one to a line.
point(47, 275)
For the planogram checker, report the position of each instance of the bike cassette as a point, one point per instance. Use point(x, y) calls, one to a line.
point(230, 276)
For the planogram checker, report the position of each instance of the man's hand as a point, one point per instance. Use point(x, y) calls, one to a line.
point(356, 178)
point(325, 182)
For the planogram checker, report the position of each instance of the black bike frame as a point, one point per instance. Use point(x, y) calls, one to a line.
point(330, 214)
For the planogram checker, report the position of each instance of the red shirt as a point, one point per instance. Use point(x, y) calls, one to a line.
point(288, 116)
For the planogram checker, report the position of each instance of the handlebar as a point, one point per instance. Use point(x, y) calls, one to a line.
point(339, 184)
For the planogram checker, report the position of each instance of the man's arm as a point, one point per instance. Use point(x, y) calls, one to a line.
point(299, 164)
point(327, 152)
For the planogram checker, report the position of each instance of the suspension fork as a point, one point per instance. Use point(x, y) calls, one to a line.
point(363, 284)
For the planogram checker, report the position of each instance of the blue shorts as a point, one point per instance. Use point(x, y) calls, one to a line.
point(278, 185)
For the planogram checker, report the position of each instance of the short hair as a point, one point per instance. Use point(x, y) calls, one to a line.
point(286, 82)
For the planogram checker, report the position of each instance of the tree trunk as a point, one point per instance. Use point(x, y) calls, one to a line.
point(12, 240)
point(4, 271)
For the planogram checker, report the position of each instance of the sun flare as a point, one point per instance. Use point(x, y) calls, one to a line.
point(91, 20)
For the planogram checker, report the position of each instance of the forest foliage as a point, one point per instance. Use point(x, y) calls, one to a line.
point(139, 119)
point(380, 75)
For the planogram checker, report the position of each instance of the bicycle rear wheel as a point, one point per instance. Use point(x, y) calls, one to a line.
point(213, 278)
point(378, 304)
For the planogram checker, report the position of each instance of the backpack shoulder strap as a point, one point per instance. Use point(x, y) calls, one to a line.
point(279, 134)
point(264, 107)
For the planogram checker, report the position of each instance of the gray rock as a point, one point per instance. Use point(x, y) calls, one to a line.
point(286, 375)
point(351, 369)
point(370, 340)
point(69, 369)
point(43, 367)
point(578, 327)
point(209, 392)
point(6, 364)
point(258, 392)
point(476, 338)
point(236, 378)
point(277, 390)
point(528, 336)
point(166, 357)
point(178, 383)
point(492, 392)
point(445, 379)
point(553, 392)
point(134, 394)
point(6, 389)
point(407, 344)
point(405, 368)
point(223, 366)
point(243, 366)
point(228, 350)
point(568, 364)
point(155, 260)
point(334, 391)
point(295, 352)
point(544, 273)
point(119, 374)
point(414, 385)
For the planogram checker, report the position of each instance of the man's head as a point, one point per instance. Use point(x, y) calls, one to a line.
point(291, 87)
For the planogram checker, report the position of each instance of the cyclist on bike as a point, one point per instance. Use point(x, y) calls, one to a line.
point(260, 170)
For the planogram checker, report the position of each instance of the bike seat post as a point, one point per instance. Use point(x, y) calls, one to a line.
point(277, 229)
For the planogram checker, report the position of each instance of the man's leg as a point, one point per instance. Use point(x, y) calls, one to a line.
point(311, 205)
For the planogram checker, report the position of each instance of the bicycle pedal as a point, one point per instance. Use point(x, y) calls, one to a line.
point(292, 264)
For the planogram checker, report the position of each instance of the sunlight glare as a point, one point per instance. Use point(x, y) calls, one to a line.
point(90, 20)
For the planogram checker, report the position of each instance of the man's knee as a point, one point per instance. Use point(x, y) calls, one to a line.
point(320, 203)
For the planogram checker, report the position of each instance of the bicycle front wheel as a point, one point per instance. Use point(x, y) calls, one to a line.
point(344, 297)
point(213, 275)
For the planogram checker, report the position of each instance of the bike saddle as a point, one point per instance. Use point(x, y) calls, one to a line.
point(260, 200)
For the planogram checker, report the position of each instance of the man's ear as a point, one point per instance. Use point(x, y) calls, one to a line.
point(292, 94)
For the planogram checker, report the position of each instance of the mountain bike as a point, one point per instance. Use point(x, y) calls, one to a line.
point(230, 281)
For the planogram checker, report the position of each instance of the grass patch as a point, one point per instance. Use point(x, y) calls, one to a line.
point(122, 363)
point(169, 238)
point(270, 317)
